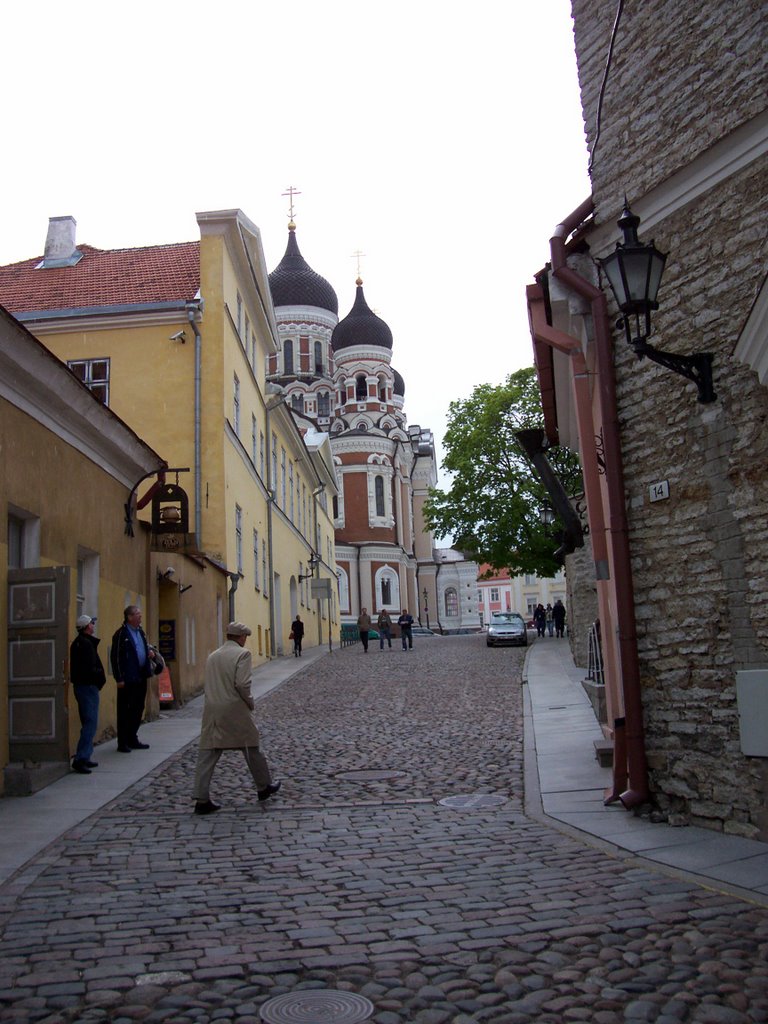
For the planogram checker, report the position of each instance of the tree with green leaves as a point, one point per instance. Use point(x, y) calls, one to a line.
point(494, 503)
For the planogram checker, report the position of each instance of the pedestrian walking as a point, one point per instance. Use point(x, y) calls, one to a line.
point(540, 619)
point(549, 619)
point(297, 635)
point(384, 625)
point(364, 627)
point(558, 614)
point(227, 720)
point(133, 662)
point(87, 676)
point(405, 622)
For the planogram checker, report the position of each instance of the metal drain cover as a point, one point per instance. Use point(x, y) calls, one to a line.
point(472, 802)
point(316, 1006)
point(370, 775)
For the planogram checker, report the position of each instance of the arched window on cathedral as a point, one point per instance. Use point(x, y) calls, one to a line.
point(288, 356)
point(335, 506)
point(386, 592)
point(378, 487)
point(323, 404)
point(382, 389)
point(318, 357)
point(297, 403)
point(451, 603)
point(361, 388)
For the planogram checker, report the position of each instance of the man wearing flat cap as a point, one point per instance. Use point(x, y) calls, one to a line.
point(227, 720)
point(87, 675)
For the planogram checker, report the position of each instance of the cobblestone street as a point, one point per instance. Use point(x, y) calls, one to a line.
point(370, 885)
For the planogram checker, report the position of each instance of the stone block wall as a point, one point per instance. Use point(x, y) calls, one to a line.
point(700, 557)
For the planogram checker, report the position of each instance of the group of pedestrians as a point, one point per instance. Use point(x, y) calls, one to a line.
point(133, 660)
point(227, 712)
point(551, 619)
point(384, 627)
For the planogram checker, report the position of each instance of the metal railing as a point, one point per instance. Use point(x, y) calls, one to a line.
point(595, 655)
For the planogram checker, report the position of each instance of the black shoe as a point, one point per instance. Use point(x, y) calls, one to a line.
point(91, 764)
point(123, 748)
point(265, 794)
point(205, 807)
point(137, 745)
point(81, 767)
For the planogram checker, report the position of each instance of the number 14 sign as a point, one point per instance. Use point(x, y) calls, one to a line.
point(659, 491)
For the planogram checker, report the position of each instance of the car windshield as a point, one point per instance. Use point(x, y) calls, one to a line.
point(502, 617)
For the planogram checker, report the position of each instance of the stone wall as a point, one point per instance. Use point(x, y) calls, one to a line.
point(699, 558)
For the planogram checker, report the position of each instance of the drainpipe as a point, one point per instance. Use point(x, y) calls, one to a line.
point(193, 309)
point(618, 530)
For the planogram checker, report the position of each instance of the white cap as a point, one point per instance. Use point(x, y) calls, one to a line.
point(83, 621)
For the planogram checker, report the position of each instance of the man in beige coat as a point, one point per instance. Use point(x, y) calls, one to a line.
point(227, 720)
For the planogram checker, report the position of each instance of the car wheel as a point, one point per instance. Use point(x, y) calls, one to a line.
point(488, 643)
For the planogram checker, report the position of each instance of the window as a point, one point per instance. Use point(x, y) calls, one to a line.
point(256, 559)
point(273, 480)
point(382, 389)
point(335, 506)
point(94, 373)
point(87, 581)
point(283, 479)
point(261, 454)
point(318, 357)
point(291, 507)
point(451, 603)
point(386, 592)
point(361, 388)
point(236, 405)
point(239, 315)
point(247, 336)
point(288, 356)
point(264, 577)
point(253, 439)
point(378, 485)
point(494, 594)
point(323, 404)
point(239, 538)
point(23, 539)
point(304, 508)
point(530, 579)
point(297, 403)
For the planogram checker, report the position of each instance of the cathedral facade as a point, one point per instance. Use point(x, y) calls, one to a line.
point(337, 377)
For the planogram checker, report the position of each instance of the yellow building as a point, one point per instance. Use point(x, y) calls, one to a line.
point(174, 338)
point(67, 466)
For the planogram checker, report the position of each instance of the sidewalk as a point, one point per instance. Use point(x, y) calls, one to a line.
point(29, 824)
point(564, 781)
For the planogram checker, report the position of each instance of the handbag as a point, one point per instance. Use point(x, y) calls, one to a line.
point(291, 636)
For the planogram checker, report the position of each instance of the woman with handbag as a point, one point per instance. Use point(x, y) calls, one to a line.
point(297, 635)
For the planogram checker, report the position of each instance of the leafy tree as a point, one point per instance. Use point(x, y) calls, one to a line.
point(493, 506)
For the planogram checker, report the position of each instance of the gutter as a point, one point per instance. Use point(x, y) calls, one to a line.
point(193, 309)
point(618, 528)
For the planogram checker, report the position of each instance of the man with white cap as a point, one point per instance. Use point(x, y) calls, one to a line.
point(227, 720)
point(87, 675)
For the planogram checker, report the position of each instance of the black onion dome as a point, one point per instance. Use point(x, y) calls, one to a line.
point(294, 283)
point(361, 326)
point(399, 388)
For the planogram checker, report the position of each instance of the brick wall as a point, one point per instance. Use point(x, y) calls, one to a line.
point(699, 559)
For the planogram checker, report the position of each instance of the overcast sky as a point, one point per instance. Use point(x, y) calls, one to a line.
point(443, 139)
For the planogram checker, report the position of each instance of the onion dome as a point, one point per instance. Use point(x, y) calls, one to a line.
point(361, 326)
point(294, 283)
point(399, 388)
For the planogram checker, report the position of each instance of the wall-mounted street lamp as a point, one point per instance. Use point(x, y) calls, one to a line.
point(547, 515)
point(634, 273)
point(314, 561)
point(425, 595)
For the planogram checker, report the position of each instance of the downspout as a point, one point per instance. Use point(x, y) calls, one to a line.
point(618, 528)
point(193, 308)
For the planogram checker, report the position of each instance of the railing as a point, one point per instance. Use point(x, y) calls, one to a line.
point(350, 634)
point(595, 655)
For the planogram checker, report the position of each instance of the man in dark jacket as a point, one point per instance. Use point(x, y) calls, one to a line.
point(558, 614)
point(87, 675)
point(132, 665)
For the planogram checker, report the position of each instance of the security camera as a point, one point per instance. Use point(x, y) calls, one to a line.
point(179, 336)
point(170, 571)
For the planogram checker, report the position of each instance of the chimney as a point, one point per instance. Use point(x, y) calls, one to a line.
point(60, 248)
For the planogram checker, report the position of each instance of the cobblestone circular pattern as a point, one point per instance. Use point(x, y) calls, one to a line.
point(472, 801)
point(370, 775)
point(318, 1006)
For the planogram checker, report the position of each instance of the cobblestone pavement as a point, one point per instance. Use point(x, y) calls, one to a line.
point(436, 915)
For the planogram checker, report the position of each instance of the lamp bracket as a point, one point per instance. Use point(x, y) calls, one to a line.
point(696, 368)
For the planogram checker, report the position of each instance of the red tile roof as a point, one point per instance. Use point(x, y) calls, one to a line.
point(104, 277)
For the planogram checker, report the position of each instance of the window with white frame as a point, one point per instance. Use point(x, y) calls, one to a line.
point(288, 356)
point(256, 559)
point(23, 539)
point(261, 454)
point(494, 594)
point(254, 433)
point(387, 588)
point(451, 603)
point(94, 373)
point(318, 357)
point(236, 405)
point(87, 582)
point(343, 590)
point(239, 538)
point(291, 505)
point(273, 481)
point(264, 577)
point(239, 315)
point(283, 479)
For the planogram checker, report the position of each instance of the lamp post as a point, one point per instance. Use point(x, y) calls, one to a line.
point(547, 516)
point(426, 606)
point(634, 273)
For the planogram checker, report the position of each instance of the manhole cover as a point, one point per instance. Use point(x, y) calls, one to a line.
point(317, 1006)
point(472, 802)
point(370, 775)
